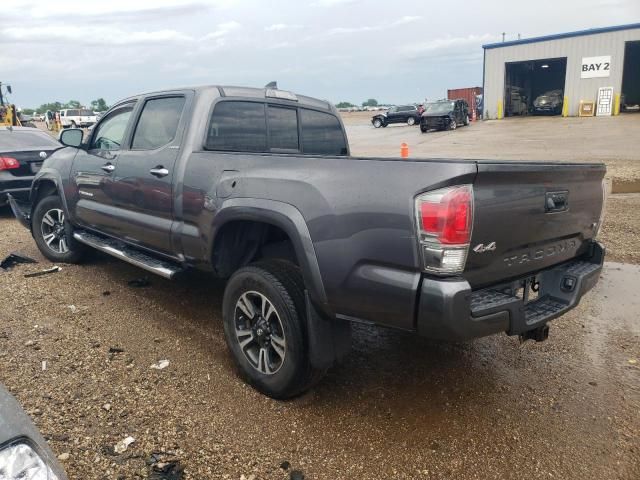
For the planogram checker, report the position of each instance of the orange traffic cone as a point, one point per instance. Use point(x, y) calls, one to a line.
point(404, 150)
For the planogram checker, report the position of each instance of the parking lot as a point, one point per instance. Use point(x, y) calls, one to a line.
point(76, 349)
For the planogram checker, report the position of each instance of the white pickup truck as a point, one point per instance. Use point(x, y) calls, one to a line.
point(77, 118)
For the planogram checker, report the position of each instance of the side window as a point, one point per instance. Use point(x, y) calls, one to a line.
point(321, 134)
point(283, 128)
point(158, 123)
point(238, 127)
point(110, 131)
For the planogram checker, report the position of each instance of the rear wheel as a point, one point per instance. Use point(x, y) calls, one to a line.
point(264, 325)
point(466, 120)
point(423, 128)
point(53, 233)
point(411, 121)
point(73, 124)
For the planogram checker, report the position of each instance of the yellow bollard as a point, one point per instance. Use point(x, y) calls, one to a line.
point(565, 107)
point(499, 115)
point(616, 105)
point(404, 150)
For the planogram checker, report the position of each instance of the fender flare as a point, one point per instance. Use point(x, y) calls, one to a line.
point(48, 176)
point(290, 220)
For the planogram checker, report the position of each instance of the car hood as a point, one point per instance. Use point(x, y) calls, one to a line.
point(434, 115)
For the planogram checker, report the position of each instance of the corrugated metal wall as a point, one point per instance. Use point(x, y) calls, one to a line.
point(574, 49)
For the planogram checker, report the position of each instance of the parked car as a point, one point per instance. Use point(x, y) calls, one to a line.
point(24, 454)
point(22, 151)
point(257, 186)
point(549, 103)
point(444, 115)
point(77, 117)
point(402, 114)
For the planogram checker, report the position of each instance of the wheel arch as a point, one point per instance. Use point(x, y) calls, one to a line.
point(44, 185)
point(287, 219)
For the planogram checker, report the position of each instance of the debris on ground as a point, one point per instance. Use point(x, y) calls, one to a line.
point(13, 259)
point(44, 365)
point(123, 444)
point(296, 475)
point(139, 282)
point(46, 271)
point(285, 465)
point(162, 364)
point(73, 308)
point(116, 350)
point(63, 457)
point(166, 471)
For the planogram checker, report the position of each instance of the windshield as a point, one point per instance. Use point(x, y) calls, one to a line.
point(439, 107)
point(12, 140)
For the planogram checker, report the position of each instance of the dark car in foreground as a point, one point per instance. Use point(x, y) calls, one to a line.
point(549, 103)
point(257, 186)
point(401, 114)
point(24, 454)
point(22, 151)
point(444, 115)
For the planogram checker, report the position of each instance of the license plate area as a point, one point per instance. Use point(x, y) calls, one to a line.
point(529, 290)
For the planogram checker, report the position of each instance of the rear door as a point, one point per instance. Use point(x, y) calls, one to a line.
point(528, 217)
point(142, 186)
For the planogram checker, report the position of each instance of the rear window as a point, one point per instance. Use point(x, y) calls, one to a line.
point(321, 134)
point(86, 113)
point(238, 127)
point(21, 140)
point(242, 127)
point(73, 113)
point(283, 128)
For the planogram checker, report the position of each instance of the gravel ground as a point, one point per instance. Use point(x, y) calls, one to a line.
point(399, 407)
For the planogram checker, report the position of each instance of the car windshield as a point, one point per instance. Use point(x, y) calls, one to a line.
point(439, 107)
point(12, 140)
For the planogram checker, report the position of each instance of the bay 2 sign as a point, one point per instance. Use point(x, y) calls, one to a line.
point(595, 67)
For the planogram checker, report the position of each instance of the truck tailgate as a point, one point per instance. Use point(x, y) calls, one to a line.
point(530, 216)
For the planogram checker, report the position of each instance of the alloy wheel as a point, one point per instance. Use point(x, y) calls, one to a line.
point(53, 230)
point(259, 332)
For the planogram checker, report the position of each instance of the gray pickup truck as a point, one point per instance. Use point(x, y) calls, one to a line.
point(257, 186)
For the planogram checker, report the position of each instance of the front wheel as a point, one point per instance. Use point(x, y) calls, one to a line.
point(423, 128)
point(453, 125)
point(466, 120)
point(411, 121)
point(264, 326)
point(377, 123)
point(53, 233)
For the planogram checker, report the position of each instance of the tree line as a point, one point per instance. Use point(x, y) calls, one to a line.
point(372, 102)
point(97, 105)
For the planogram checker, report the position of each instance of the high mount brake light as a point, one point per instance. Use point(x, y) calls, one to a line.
point(8, 163)
point(444, 218)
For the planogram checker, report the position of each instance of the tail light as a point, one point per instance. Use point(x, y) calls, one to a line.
point(444, 218)
point(8, 163)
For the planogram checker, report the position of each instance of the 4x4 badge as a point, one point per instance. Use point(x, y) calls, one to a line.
point(481, 247)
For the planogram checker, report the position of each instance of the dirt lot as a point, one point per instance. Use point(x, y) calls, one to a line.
point(399, 406)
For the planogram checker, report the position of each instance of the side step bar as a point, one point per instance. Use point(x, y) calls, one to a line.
point(128, 254)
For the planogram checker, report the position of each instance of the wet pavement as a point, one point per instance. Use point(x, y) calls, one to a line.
point(398, 407)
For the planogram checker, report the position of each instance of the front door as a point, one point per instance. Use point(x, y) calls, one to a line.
point(142, 186)
point(90, 202)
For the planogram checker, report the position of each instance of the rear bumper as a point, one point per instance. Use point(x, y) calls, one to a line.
point(21, 210)
point(450, 310)
point(16, 186)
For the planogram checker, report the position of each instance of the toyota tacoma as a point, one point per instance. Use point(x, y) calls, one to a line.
point(257, 186)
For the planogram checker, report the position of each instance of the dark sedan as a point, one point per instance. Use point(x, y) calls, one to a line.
point(22, 151)
point(402, 114)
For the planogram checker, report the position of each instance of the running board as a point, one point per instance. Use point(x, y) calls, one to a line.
point(128, 254)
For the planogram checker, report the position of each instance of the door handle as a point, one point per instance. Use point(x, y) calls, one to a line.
point(159, 171)
point(108, 167)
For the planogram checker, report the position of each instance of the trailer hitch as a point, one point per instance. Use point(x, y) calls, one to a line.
point(539, 334)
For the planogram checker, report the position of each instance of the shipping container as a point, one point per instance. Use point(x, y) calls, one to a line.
point(467, 94)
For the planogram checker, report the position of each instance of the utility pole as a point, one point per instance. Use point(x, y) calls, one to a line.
point(503, 34)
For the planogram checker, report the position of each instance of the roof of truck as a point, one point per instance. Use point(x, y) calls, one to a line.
point(252, 92)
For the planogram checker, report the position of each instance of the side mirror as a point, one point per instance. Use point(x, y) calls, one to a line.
point(71, 137)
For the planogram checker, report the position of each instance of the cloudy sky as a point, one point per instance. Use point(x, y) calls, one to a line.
point(395, 51)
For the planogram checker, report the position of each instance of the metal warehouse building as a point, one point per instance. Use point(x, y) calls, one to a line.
point(573, 66)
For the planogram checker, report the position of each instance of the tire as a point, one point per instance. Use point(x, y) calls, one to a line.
point(377, 123)
point(73, 124)
point(453, 125)
point(466, 120)
point(279, 369)
point(423, 128)
point(48, 219)
point(411, 121)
